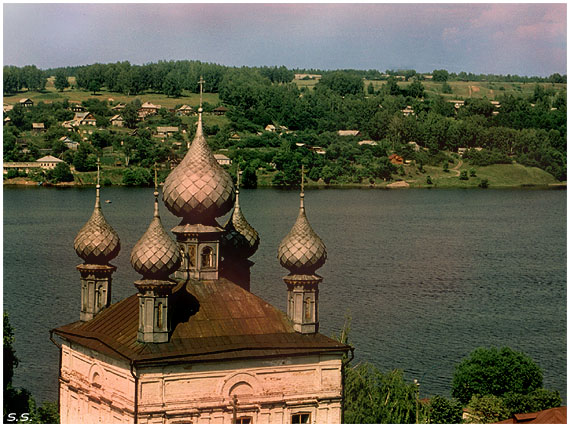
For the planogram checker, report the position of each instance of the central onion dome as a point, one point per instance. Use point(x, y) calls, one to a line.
point(240, 240)
point(302, 251)
point(155, 255)
point(97, 242)
point(198, 189)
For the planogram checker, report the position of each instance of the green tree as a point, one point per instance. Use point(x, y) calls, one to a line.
point(19, 401)
point(495, 372)
point(249, 178)
point(61, 173)
point(172, 85)
point(343, 83)
point(446, 88)
point(137, 177)
point(440, 75)
point(487, 409)
point(373, 397)
point(61, 81)
point(416, 89)
point(370, 89)
point(444, 411)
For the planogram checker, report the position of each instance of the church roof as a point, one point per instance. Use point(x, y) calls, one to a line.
point(212, 320)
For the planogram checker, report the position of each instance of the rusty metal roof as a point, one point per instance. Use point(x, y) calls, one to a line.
point(211, 320)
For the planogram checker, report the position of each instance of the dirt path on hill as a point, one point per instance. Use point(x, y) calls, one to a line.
point(455, 168)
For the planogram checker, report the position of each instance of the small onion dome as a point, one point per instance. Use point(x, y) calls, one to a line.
point(240, 240)
point(198, 189)
point(97, 242)
point(155, 255)
point(302, 251)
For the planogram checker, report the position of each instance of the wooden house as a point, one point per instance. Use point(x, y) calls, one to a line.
point(220, 111)
point(26, 102)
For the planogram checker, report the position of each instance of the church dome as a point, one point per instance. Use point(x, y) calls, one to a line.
point(302, 251)
point(155, 255)
point(198, 189)
point(241, 239)
point(97, 242)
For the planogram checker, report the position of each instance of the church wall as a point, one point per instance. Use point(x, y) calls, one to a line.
point(268, 391)
point(94, 388)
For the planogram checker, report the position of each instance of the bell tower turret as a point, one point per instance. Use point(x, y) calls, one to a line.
point(302, 252)
point(155, 256)
point(97, 243)
point(198, 190)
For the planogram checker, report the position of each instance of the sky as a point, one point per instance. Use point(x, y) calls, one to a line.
point(509, 38)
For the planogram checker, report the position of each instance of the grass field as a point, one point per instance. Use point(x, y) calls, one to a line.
point(51, 94)
point(491, 90)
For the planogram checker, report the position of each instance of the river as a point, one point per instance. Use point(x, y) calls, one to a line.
point(427, 276)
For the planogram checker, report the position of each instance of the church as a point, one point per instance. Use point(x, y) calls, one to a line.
point(193, 344)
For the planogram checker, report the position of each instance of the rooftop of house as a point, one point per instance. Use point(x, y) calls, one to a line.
point(548, 416)
point(211, 320)
point(47, 159)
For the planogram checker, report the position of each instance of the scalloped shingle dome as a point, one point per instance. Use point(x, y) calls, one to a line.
point(241, 239)
point(302, 251)
point(198, 189)
point(97, 242)
point(155, 255)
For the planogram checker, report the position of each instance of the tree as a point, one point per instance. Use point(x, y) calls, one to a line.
point(495, 372)
point(444, 411)
point(343, 83)
point(61, 81)
point(487, 409)
point(440, 75)
point(249, 178)
point(61, 173)
point(137, 177)
point(172, 85)
point(416, 89)
point(372, 397)
point(18, 402)
point(370, 89)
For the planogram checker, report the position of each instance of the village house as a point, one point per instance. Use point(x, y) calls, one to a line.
point(76, 107)
point(7, 108)
point(367, 142)
point(148, 109)
point(457, 103)
point(25, 167)
point(69, 143)
point(396, 159)
point(117, 120)
point(348, 132)
point(166, 131)
point(414, 145)
point(235, 137)
point(49, 162)
point(222, 159)
point(318, 150)
point(185, 110)
point(26, 102)
point(408, 111)
point(84, 119)
point(38, 127)
point(119, 107)
point(220, 111)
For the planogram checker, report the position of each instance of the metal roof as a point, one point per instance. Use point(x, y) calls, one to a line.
point(211, 320)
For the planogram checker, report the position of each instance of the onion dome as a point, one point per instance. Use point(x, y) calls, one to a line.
point(97, 242)
point(155, 255)
point(240, 239)
point(302, 251)
point(198, 189)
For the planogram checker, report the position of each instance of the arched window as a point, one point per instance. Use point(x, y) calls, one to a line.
point(207, 257)
point(308, 309)
point(159, 315)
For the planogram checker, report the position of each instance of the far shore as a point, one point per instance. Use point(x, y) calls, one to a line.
point(394, 185)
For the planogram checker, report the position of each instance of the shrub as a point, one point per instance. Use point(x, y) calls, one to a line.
point(484, 183)
point(428, 180)
point(61, 173)
point(463, 176)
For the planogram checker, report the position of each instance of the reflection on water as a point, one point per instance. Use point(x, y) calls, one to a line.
point(427, 276)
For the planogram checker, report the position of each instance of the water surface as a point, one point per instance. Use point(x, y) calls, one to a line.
point(427, 276)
